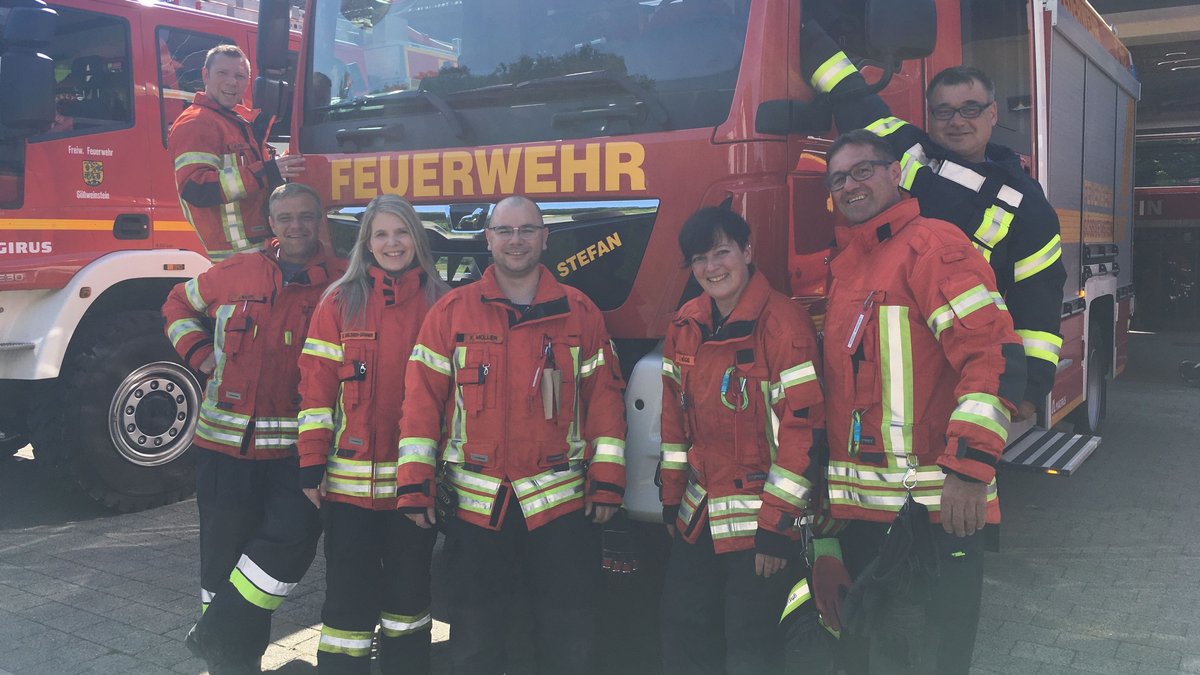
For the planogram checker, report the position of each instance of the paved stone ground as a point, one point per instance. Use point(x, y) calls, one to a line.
point(1098, 573)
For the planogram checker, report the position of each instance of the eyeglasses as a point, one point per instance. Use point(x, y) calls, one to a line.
point(968, 112)
point(524, 231)
point(859, 172)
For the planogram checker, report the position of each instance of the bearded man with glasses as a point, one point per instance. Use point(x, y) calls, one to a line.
point(958, 175)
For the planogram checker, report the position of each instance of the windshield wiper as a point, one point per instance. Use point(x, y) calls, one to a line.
point(453, 120)
point(654, 106)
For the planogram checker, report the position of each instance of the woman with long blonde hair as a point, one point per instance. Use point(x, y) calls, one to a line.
point(352, 375)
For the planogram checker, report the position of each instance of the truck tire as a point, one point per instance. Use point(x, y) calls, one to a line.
point(1089, 417)
point(119, 420)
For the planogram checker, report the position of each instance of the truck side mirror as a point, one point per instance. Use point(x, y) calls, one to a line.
point(274, 28)
point(900, 30)
point(26, 75)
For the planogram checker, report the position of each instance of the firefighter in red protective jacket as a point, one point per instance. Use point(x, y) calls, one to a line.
point(741, 398)
point(359, 341)
point(514, 387)
point(922, 372)
point(242, 324)
point(222, 165)
point(956, 174)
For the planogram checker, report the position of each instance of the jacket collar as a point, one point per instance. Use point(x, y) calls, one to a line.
point(316, 272)
point(392, 288)
point(239, 111)
point(549, 300)
point(742, 319)
point(880, 228)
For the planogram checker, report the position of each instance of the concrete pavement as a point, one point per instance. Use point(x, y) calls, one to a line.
point(1097, 573)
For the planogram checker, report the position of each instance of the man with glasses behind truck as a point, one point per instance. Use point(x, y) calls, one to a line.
point(958, 175)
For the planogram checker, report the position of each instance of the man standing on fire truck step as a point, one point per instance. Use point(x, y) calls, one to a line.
point(258, 531)
point(222, 165)
point(922, 372)
point(521, 370)
point(959, 176)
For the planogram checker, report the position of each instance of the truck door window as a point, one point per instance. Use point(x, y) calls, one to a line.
point(480, 72)
point(92, 68)
point(995, 36)
point(180, 62)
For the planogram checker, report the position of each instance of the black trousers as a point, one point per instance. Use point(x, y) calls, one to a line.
point(951, 613)
point(376, 572)
point(557, 565)
point(258, 536)
point(718, 616)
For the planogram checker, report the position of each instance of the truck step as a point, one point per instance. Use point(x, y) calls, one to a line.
point(1051, 452)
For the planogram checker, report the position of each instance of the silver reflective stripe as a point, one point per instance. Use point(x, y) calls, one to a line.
point(265, 582)
point(350, 466)
point(399, 625)
point(349, 487)
point(475, 480)
point(719, 506)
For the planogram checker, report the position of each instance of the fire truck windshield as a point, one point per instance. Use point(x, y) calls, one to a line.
point(417, 74)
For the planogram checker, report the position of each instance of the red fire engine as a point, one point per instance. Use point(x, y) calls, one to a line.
point(91, 239)
point(622, 118)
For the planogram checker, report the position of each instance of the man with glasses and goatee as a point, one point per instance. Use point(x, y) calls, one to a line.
point(958, 175)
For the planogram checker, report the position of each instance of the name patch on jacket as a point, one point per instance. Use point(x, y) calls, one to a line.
point(478, 337)
point(685, 359)
point(358, 335)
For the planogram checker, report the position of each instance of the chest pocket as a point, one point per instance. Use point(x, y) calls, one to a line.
point(241, 328)
point(474, 373)
point(356, 372)
point(745, 391)
point(859, 341)
point(569, 361)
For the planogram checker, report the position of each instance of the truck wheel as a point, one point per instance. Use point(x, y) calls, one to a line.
point(1089, 417)
point(121, 415)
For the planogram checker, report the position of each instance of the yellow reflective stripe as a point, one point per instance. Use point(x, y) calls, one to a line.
point(983, 410)
point(805, 372)
point(993, 227)
point(418, 451)
point(970, 301)
point(259, 587)
point(874, 488)
point(885, 126)
point(941, 319)
point(428, 357)
point(589, 366)
point(998, 300)
point(609, 450)
point(674, 457)
point(182, 327)
point(1041, 345)
point(312, 419)
point(733, 505)
point(350, 467)
point(799, 595)
point(1045, 257)
point(395, 625)
point(670, 370)
point(693, 496)
point(354, 643)
point(829, 74)
point(231, 218)
point(231, 179)
point(323, 349)
point(787, 486)
point(203, 158)
point(548, 489)
point(896, 369)
point(192, 289)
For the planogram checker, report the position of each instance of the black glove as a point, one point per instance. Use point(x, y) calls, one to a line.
point(619, 548)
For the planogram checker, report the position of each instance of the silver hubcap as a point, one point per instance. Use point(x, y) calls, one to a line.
point(153, 414)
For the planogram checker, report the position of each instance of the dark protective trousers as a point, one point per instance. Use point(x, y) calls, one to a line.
point(557, 565)
point(951, 612)
point(376, 572)
point(718, 616)
point(258, 535)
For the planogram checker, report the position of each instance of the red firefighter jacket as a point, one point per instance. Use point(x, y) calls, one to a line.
point(242, 310)
point(738, 410)
point(995, 203)
point(922, 367)
point(349, 386)
point(473, 398)
point(223, 174)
